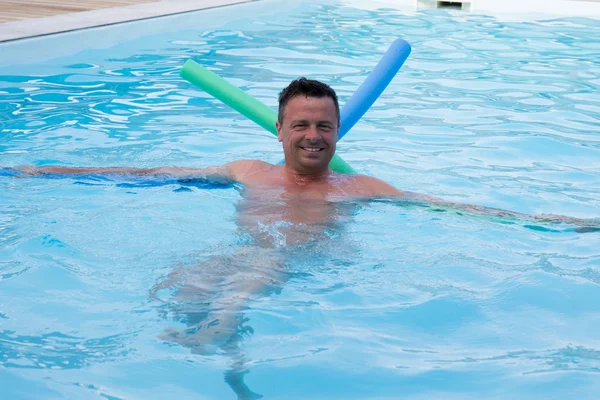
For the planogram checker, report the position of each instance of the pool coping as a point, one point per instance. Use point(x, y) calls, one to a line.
point(16, 30)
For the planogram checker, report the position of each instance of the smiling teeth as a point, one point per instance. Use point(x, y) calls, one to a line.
point(312, 148)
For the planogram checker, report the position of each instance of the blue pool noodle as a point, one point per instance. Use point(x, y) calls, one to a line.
point(374, 85)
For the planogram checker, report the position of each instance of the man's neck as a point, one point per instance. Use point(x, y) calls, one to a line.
point(303, 178)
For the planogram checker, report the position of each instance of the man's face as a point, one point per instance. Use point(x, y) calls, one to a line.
point(308, 132)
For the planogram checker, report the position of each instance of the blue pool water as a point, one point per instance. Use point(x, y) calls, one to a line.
point(392, 301)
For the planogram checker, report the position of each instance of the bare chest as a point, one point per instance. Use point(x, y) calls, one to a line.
point(275, 186)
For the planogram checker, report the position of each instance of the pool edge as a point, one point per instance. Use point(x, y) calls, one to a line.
point(26, 29)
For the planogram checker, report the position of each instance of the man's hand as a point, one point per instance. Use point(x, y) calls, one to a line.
point(27, 170)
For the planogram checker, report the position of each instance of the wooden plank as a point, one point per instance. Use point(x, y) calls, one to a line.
point(16, 10)
point(90, 3)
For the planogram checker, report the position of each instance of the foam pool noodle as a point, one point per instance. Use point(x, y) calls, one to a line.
point(374, 85)
point(353, 110)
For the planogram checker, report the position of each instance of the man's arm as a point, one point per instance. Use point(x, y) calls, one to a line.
point(230, 172)
point(381, 189)
point(500, 213)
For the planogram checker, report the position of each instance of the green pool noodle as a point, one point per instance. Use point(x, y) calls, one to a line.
point(243, 103)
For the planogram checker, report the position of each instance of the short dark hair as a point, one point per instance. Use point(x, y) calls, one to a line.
point(308, 88)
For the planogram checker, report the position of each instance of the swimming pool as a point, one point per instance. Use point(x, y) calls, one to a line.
point(397, 301)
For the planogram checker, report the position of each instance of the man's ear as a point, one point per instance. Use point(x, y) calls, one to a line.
point(278, 127)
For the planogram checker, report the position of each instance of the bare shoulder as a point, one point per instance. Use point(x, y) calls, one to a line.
point(376, 187)
point(242, 168)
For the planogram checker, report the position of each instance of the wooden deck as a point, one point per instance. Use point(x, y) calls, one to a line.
point(18, 10)
point(20, 19)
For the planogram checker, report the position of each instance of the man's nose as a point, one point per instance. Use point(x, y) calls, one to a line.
point(313, 133)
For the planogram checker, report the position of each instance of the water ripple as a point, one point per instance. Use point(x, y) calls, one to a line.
point(570, 358)
point(59, 351)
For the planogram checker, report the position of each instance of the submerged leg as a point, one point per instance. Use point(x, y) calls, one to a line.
point(213, 295)
point(235, 380)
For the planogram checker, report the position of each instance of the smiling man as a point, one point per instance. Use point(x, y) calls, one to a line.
point(299, 202)
point(307, 126)
point(309, 134)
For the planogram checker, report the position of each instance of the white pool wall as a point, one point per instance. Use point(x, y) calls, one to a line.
point(510, 9)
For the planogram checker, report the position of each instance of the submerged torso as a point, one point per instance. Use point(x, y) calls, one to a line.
point(275, 210)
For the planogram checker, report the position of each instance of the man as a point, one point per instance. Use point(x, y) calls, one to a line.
point(307, 126)
point(303, 193)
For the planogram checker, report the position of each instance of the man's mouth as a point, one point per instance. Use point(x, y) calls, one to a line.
point(312, 149)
